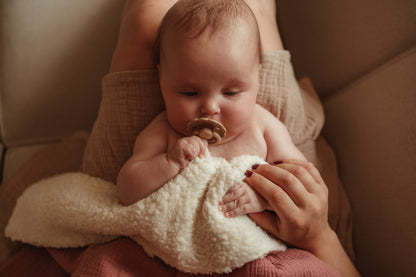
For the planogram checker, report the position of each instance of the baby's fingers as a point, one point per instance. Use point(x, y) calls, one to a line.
point(202, 144)
point(193, 147)
point(241, 200)
point(232, 203)
point(233, 209)
point(232, 194)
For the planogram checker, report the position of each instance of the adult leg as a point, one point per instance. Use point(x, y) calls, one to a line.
point(138, 30)
point(265, 12)
point(141, 20)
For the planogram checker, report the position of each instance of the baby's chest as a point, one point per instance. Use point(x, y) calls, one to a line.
point(251, 143)
point(247, 145)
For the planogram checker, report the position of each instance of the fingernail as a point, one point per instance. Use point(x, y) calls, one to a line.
point(255, 166)
point(248, 173)
point(277, 162)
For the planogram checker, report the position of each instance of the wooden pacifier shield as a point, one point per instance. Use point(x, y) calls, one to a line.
point(208, 129)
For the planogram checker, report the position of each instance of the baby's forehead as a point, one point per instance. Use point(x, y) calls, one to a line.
point(242, 33)
point(195, 17)
point(212, 27)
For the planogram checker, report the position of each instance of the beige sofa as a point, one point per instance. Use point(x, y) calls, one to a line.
point(360, 55)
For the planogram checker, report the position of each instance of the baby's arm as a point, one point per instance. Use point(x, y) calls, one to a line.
point(152, 164)
point(280, 146)
point(242, 199)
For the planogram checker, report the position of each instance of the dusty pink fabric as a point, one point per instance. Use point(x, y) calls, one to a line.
point(123, 257)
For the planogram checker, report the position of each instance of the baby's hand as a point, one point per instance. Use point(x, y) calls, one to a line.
point(187, 149)
point(242, 199)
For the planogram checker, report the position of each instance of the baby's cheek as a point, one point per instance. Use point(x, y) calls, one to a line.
point(238, 122)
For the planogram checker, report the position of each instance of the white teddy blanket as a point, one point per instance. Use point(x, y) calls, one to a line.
point(179, 223)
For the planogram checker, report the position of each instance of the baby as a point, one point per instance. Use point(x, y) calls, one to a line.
point(208, 56)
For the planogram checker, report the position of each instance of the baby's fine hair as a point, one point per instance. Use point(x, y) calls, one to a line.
point(195, 17)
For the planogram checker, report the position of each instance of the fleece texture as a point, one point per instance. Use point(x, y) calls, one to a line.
point(179, 223)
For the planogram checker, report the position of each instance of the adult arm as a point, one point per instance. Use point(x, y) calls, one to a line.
point(299, 197)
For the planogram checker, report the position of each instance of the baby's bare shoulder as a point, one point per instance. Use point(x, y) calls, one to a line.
point(265, 119)
point(153, 136)
point(159, 124)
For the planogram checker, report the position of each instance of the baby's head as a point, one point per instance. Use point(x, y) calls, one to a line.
point(208, 53)
point(193, 18)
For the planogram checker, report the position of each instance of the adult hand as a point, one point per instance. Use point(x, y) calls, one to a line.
point(299, 197)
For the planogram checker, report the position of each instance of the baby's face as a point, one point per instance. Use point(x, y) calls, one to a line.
point(214, 76)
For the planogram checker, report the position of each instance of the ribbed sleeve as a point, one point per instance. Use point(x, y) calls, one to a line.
point(280, 93)
point(130, 100)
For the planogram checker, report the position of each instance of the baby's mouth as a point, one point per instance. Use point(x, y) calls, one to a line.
point(208, 129)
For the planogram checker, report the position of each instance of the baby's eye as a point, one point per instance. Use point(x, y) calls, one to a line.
point(230, 93)
point(189, 93)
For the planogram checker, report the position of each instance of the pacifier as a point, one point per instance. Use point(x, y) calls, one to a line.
point(208, 129)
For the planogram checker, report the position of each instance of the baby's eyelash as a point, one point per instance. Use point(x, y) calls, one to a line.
point(189, 93)
point(231, 93)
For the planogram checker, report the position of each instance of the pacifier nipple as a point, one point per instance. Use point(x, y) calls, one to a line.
point(208, 129)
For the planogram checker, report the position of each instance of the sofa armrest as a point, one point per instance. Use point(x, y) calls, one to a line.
point(371, 124)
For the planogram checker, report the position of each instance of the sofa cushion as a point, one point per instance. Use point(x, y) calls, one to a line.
point(53, 55)
point(14, 157)
point(335, 42)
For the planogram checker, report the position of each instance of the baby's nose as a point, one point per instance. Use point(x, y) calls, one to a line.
point(210, 107)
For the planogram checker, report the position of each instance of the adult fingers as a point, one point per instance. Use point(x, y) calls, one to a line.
point(301, 174)
point(285, 180)
point(308, 166)
point(268, 221)
point(308, 175)
point(277, 198)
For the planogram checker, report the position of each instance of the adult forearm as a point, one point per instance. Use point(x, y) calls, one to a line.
point(139, 179)
point(331, 251)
